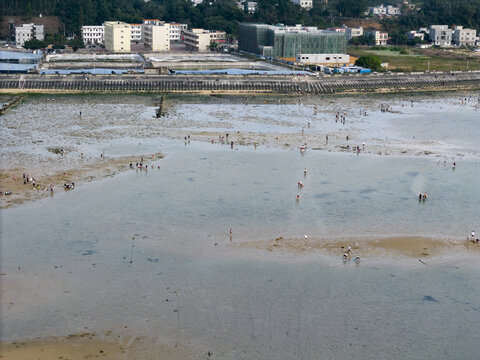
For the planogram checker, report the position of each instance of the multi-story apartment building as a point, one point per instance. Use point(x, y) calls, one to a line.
point(380, 37)
point(440, 35)
point(354, 32)
point(27, 32)
point(93, 34)
point(157, 37)
point(384, 10)
point(464, 37)
point(176, 31)
point(306, 4)
point(117, 36)
point(136, 32)
point(200, 39)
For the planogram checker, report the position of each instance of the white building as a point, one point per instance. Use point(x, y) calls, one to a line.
point(136, 32)
point(157, 37)
point(324, 59)
point(338, 29)
point(440, 35)
point(306, 4)
point(380, 37)
point(354, 32)
point(464, 37)
point(411, 35)
point(27, 32)
point(393, 10)
point(250, 7)
point(384, 10)
point(93, 34)
point(200, 39)
point(196, 2)
point(406, 5)
point(176, 31)
point(377, 10)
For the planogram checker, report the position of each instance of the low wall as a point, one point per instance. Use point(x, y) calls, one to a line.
point(242, 83)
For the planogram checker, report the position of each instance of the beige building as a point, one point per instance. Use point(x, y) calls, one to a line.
point(200, 39)
point(117, 36)
point(380, 37)
point(157, 37)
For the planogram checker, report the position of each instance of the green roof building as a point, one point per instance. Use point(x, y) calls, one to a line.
point(287, 41)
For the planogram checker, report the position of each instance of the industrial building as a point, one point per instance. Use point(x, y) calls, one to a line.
point(332, 60)
point(117, 36)
point(289, 41)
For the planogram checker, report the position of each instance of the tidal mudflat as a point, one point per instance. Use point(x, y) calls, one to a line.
point(140, 263)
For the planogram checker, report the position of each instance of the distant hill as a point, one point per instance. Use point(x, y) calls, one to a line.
point(225, 14)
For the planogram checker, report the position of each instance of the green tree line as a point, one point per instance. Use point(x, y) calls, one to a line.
point(224, 14)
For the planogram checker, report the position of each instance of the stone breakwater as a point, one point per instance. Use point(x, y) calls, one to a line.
point(232, 84)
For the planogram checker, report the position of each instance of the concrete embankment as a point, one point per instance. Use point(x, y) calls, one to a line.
point(234, 84)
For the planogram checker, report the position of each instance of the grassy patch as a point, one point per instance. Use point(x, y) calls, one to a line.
point(420, 60)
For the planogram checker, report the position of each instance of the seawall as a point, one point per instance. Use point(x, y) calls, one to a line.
point(234, 84)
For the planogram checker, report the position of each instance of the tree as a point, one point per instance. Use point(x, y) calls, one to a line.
point(351, 8)
point(365, 39)
point(76, 44)
point(397, 38)
point(371, 62)
point(34, 44)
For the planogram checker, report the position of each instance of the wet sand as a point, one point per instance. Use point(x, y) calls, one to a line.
point(407, 246)
point(127, 344)
point(281, 129)
point(88, 345)
point(91, 170)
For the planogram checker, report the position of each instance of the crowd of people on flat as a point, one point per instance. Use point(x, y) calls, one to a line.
point(473, 239)
point(347, 255)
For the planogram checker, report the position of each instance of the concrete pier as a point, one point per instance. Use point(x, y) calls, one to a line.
point(234, 84)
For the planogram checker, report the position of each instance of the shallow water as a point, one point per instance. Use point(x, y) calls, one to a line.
point(67, 258)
